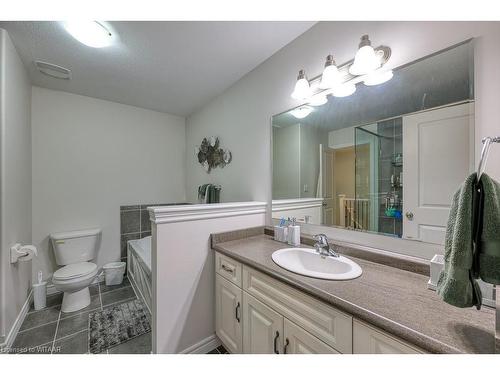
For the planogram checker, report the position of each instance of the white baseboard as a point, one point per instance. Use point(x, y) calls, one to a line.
point(51, 289)
point(9, 339)
point(204, 346)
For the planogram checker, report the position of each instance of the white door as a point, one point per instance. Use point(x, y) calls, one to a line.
point(299, 341)
point(262, 328)
point(228, 314)
point(438, 154)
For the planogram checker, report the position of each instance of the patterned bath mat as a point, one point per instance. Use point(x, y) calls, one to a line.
point(117, 324)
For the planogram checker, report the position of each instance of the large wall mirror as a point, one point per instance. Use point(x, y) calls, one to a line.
point(386, 159)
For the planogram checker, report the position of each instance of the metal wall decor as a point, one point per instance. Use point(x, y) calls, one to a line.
point(210, 155)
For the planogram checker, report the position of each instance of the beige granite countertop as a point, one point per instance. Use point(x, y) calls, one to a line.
point(392, 299)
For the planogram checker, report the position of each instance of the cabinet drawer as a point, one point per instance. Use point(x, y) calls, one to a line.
point(228, 268)
point(369, 340)
point(326, 323)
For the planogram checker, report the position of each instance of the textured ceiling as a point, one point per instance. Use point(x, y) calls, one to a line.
point(173, 67)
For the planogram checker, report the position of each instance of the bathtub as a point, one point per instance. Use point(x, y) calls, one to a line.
point(139, 268)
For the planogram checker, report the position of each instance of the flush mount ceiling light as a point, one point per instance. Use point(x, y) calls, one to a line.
point(366, 59)
point(302, 89)
point(331, 75)
point(378, 77)
point(318, 100)
point(302, 112)
point(91, 33)
point(343, 90)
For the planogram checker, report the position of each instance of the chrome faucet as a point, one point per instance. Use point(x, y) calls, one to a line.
point(323, 247)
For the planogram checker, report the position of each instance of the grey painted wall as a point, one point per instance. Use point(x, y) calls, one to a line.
point(90, 157)
point(15, 178)
point(241, 115)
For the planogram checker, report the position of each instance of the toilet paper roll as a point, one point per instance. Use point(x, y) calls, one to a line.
point(29, 250)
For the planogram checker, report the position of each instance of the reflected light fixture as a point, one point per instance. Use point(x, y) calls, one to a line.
point(344, 90)
point(91, 33)
point(301, 112)
point(318, 100)
point(302, 89)
point(331, 75)
point(366, 59)
point(378, 77)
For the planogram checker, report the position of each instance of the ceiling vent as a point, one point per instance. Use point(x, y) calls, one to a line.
point(53, 70)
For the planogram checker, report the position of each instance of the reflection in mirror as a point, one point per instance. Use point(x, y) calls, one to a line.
point(385, 159)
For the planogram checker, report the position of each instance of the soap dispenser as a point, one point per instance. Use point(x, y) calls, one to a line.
point(294, 233)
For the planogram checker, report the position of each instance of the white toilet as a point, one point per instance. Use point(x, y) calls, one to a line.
point(74, 250)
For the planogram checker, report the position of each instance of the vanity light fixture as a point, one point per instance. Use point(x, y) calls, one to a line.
point(331, 75)
point(302, 112)
point(302, 89)
point(378, 77)
point(343, 90)
point(91, 33)
point(367, 66)
point(318, 100)
point(366, 59)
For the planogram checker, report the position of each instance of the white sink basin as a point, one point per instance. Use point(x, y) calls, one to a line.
point(308, 262)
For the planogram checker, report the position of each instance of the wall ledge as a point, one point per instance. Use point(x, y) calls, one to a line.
point(287, 204)
point(174, 214)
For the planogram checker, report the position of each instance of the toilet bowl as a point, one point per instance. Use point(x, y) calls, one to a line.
point(74, 280)
point(74, 251)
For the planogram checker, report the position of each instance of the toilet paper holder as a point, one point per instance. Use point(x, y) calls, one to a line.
point(21, 253)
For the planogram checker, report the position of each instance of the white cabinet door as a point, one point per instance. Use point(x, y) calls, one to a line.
point(368, 340)
point(228, 314)
point(438, 154)
point(330, 325)
point(299, 341)
point(262, 328)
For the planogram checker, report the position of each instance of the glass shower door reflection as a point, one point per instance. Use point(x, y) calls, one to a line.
point(364, 210)
point(379, 165)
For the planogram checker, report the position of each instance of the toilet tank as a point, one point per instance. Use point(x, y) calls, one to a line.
point(76, 246)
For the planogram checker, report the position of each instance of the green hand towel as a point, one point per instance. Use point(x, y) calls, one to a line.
point(213, 194)
point(456, 285)
point(202, 189)
point(489, 247)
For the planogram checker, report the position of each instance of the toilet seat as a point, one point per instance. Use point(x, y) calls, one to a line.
point(74, 271)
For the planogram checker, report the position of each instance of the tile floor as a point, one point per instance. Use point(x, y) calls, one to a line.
point(219, 350)
point(52, 331)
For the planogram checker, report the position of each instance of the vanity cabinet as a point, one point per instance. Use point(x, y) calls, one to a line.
point(257, 314)
point(267, 332)
point(328, 324)
point(228, 314)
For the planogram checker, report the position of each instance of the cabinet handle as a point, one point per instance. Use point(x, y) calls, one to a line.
point(287, 342)
point(276, 351)
point(236, 312)
point(226, 268)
